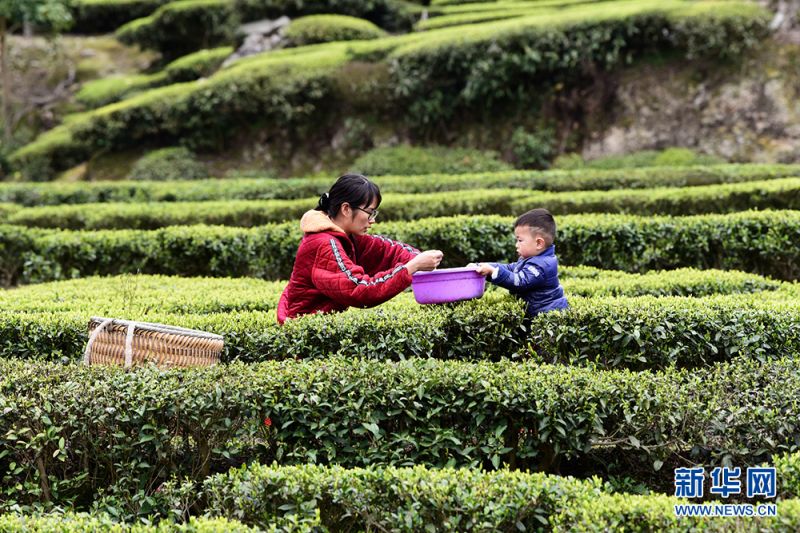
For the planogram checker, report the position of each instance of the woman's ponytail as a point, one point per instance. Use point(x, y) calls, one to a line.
point(324, 203)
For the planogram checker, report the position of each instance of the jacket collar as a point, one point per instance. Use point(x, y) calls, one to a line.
point(317, 222)
point(549, 251)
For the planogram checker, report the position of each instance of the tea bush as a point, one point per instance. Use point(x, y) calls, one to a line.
point(103, 91)
point(182, 27)
point(393, 15)
point(410, 160)
point(755, 242)
point(461, 500)
point(671, 157)
point(178, 164)
point(168, 164)
point(96, 93)
point(141, 428)
point(49, 321)
point(31, 194)
point(200, 64)
point(463, 67)
point(76, 522)
point(104, 16)
point(314, 29)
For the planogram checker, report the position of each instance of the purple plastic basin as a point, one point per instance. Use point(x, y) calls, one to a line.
point(447, 285)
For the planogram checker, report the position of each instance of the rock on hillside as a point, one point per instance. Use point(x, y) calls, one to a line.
point(745, 112)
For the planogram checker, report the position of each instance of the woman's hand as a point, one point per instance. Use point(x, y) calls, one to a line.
point(427, 260)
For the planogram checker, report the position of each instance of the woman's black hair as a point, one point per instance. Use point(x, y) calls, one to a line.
point(354, 189)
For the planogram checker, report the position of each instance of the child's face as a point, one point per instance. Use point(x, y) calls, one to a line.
point(529, 244)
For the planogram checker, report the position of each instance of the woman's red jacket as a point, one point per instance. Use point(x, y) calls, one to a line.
point(333, 271)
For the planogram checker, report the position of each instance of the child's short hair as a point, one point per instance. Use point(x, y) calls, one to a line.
point(539, 221)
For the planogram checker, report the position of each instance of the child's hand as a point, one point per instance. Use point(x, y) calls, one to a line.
point(483, 269)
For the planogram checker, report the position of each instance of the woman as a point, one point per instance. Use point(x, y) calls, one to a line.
point(338, 264)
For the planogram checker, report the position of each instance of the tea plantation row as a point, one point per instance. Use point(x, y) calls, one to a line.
point(56, 193)
point(71, 434)
point(756, 242)
point(773, 194)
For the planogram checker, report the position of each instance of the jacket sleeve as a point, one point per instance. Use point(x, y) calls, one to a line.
point(337, 277)
point(377, 253)
point(528, 277)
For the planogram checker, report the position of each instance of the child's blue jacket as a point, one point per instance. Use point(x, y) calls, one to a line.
point(534, 280)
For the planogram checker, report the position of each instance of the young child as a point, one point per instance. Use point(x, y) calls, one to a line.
point(534, 278)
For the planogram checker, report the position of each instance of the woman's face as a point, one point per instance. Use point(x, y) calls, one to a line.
point(357, 220)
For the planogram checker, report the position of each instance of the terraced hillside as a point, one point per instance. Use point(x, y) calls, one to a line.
point(453, 75)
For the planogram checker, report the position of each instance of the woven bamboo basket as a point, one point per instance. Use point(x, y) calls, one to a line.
point(127, 343)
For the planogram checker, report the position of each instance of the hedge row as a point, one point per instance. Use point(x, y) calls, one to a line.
point(70, 433)
point(140, 295)
point(277, 93)
point(422, 499)
point(787, 468)
point(33, 194)
point(143, 294)
point(408, 160)
point(669, 157)
point(103, 16)
point(460, 77)
point(437, 66)
point(472, 17)
point(651, 332)
point(103, 91)
point(725, 198)
point(393, 15)
point(440, 9)
point(6, 209)
point(79, 522)
point(249, 213)
point(636, 333)
point(197, 65)
point(592, 282)
point(315, 29)
point(756, 242)
point(773, 194)
point(182, 27)
point(200, 64)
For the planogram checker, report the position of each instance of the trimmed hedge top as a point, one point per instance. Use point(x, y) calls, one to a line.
point(104, 91)
point(103, 16)
point(142, 294)
point(32, 194)
point(100, 523)
point(315, 29)
point(182, 27)
point(49, 321)
point(414, 160)
point(753, 242)
point(422, 499)
point(152, 424)
point(178, 163)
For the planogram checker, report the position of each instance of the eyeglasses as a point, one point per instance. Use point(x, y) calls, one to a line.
point(372, 214)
